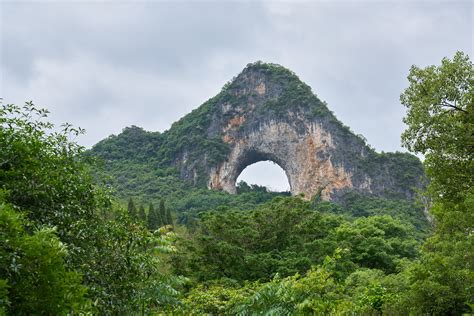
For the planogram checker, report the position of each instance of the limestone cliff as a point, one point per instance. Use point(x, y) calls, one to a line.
point(267, 113)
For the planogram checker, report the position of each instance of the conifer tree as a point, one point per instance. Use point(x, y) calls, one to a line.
point(162, 214)
point(132, 210)
point(152, 218)
point(169, 219)
point(142, 214)
point(159, 219)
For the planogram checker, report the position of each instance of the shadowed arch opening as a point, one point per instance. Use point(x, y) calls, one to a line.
point(265, 173)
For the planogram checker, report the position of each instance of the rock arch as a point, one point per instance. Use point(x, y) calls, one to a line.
point(294, 148)
point(244, 159)
point(267, 113)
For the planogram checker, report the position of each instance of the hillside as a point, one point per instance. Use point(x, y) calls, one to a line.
point(265, 113)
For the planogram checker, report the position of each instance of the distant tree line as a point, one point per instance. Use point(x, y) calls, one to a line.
point(154, 218)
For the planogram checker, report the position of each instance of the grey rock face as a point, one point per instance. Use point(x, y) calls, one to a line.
point(297, 153)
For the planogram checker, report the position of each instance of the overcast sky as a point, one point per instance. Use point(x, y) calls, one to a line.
point(106, 65)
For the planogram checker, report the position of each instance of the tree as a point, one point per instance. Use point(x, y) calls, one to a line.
point(142, 214)
point(44, 172)
point(284, 236)
point(47, 182)
point(315, 293)
point(440, 119)
point(377, 242)
point(34, 272)
point(169, 218)
point(132, 210)
point(153, 218)
point(162, 213)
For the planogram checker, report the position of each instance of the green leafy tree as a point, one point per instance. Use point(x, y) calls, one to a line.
point(377, 242)
point(42, 171)
point(286, 236)
point(151, 221)
point(46, 175)
point(315, 293)
point(4, 302)
point(33, 273)
point(440, 119)
point(218, 297)
point(130, 269)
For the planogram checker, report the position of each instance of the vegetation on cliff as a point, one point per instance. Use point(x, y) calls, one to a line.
point(149, 165)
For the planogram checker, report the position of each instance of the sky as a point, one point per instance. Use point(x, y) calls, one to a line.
point(111, 64)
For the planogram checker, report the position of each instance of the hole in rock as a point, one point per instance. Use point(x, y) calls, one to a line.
point(265, 173)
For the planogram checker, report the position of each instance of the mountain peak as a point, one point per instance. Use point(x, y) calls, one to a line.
point(267, 73)
point(267, 113)
point(263, 67)
point(273, 89)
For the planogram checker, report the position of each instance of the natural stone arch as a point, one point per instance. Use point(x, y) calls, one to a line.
point(267, 113)
point(295, 148)
point(247, 158)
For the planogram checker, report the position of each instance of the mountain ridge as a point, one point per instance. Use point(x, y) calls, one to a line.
point(263, 99)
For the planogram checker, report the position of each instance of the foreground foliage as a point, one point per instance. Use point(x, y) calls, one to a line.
point(33, 265)
point(50, 204)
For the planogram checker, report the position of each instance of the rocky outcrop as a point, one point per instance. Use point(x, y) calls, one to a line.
point(267, 113)
point(297, 153)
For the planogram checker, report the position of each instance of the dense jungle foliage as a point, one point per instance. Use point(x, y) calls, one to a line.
point(68, 245)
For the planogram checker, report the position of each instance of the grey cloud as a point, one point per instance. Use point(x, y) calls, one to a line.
point(163, 37)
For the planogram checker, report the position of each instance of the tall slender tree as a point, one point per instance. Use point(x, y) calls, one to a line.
point(142, 214)
point(132, 210)
point(169, 218)
point(162, 214)
point(152, 218)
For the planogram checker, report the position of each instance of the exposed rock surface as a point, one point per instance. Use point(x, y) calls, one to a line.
point(267, 113)
point(297, 153)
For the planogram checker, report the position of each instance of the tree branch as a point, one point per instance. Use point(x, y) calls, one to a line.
point(453, 107)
